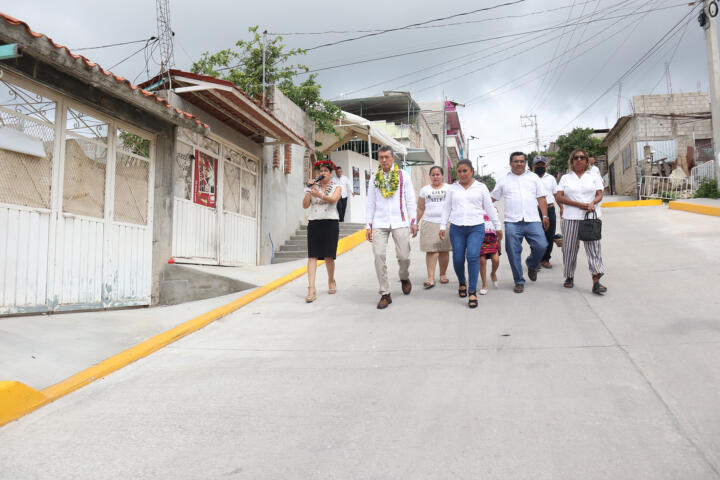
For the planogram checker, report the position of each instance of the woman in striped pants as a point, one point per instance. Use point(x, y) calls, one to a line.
point(580, 191)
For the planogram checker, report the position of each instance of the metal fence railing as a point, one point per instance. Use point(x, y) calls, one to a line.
point(665, 188)
point(702, 172)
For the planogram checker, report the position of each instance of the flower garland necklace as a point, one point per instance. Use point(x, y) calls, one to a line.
point(382, 185)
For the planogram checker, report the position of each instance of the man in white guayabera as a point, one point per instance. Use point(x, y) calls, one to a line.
point(391, 210)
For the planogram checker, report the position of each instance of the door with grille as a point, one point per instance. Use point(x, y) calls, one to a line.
point(216, 202)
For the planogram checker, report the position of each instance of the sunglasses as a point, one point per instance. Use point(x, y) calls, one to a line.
point(580, 157)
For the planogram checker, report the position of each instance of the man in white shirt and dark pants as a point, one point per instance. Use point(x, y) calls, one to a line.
point(391, 210)
point(539, 165)
point(523, 193)
point(346, 188)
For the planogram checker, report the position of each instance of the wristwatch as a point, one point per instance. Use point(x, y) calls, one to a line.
point(545, 216)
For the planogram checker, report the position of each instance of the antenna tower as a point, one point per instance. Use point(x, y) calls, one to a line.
point(165, 38)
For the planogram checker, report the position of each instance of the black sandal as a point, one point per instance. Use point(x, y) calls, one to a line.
point(473, 303)
point(569, 282)
point(462, 290)
point(596, 289)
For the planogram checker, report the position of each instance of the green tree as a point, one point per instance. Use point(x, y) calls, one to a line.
point(488, 180)
point(577, 138)
point(243, 67)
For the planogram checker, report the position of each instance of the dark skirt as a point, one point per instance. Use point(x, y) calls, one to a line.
point(323, 238)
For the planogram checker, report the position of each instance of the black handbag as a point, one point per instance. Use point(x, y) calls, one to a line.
point(590, 228)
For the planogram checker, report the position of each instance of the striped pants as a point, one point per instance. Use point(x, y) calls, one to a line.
point(571, 245)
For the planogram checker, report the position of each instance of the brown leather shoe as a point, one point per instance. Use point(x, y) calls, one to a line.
point(385, 300)
point(406, 286)
point(519, 288)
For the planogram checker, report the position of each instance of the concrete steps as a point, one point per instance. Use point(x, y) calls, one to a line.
point(296, 247)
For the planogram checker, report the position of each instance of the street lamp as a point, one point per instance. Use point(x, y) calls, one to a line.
point(477, 162)
point(482, 169)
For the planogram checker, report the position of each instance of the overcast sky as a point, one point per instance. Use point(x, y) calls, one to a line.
point(499, 79)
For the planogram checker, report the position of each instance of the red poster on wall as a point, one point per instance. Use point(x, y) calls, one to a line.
point(205, 183)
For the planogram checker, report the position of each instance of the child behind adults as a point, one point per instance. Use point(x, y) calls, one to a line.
point(490, 250)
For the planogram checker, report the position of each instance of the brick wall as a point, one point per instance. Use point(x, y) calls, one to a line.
point(625, 178)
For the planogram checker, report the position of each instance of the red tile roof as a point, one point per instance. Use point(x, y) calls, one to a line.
point(92, 65)
point(209, 79)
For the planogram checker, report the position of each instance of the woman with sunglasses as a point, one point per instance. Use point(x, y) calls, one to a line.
point(580, 191)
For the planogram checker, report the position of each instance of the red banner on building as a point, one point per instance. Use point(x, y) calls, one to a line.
point(205, 183)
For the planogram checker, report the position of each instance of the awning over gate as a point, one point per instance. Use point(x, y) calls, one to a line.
point(353, 126)
point(224, 101)
point(418, 156)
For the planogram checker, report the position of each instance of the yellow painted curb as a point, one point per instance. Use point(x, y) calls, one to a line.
point(17, 399)
point(695, 208)
point(633, 203)
point(21, 401)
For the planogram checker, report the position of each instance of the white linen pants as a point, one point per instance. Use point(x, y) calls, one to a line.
point(401, 237)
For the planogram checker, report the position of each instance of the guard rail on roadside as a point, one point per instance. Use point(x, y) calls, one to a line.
point(665, 188)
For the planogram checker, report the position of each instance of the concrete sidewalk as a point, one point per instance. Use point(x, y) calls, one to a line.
point(553, 383)
point(41, 350)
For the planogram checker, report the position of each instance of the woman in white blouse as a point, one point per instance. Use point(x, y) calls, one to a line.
point(466, 204)
point(580, 191)
point(323, 226)
point(429, 209)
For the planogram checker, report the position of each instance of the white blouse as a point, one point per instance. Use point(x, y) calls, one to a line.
point(434, 202)
point(466, 207)
point(579, 189)
point(321, 210)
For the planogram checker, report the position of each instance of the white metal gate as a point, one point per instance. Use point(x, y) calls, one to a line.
point(75, 207)
point(220, 230)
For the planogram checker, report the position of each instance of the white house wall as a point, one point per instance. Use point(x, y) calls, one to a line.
point(348, 159)
point(282, 193)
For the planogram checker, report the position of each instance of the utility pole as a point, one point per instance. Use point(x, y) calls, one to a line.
point(444, 134)
point(619, 99)
point(531, 121)
point(707, 21)
point(264, 48)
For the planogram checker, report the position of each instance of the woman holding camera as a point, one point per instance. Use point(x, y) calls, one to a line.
point(321, 196)
point(580, 191)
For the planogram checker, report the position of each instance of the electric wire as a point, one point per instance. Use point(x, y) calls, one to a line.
point(527, 73)
point(467, 58)
point(554, 57)
point(113, 44)
point(128, 57)
point(622, 43)
point(471, 42)
point(471, 12)
point(524, 75)
point(672, 56)
point(538, 12)
point(662, 41)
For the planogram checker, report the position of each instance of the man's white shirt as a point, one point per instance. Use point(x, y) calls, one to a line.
point(381, 212)
point(520, 193)
point(551, 187)
point(345, 185)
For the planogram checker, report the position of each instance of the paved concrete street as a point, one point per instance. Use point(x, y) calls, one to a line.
point(550, 384)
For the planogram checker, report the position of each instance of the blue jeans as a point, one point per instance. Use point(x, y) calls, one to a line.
point(535, 235)
point(467, 242)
